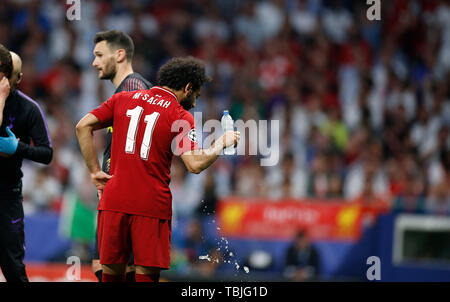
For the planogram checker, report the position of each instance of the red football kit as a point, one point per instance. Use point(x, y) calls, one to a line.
point(136, 204)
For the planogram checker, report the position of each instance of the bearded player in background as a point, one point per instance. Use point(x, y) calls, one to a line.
point(113, 59)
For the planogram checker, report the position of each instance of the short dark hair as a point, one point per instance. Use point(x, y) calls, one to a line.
point(6, 65)
point(117, 39)
point(300, 234)
point(178, 72)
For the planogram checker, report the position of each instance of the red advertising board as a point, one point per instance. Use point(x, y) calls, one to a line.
point(265, 219)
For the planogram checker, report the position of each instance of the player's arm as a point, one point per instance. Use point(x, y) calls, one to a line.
point(85, 134)
point(198, 160)
point(4, 92)
point(41, 151)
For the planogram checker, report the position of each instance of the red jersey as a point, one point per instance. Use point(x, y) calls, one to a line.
point(149, 126)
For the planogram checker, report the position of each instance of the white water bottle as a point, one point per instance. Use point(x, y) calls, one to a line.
point(227, 125)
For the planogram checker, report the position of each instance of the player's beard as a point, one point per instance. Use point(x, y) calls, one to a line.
point(109, 71)
point(188, 102)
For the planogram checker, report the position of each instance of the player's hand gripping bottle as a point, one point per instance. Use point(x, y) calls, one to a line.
point(227, 125)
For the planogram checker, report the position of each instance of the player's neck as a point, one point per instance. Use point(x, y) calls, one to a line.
point(121, 74)
point(178, 93)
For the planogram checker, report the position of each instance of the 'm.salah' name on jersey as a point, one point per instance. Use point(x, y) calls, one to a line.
point(145, 122)
point(132, 82)
point(152, 100)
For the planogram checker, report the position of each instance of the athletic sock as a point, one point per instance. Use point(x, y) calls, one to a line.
point(98, 274)
point(112, 278)
point(147, 278)
point(130, 277)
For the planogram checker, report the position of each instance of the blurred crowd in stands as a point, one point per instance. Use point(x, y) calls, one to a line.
point(364, 106)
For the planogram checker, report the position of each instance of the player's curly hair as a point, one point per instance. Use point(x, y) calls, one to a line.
point(6, 65)
point(178, 72)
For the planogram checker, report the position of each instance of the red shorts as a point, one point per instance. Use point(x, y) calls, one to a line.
point(147, 237)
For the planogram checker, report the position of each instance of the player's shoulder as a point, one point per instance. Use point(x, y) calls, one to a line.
point(26, 102)
point(133, 82)
point(183, 114)
point(145, 83)
point(122, 94)
point(119, 97)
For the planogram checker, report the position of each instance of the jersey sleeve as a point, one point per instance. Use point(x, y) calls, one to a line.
point(105, 111)
point(41, 151)
point(133, 84)
point(186, 138)
point(38, 128)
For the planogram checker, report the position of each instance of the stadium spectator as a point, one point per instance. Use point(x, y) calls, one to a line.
point(411, 198)
point(302, 262)
point(438, 201)
point(368, 198)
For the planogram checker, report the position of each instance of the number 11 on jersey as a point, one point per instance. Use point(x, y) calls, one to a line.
point(150, 121)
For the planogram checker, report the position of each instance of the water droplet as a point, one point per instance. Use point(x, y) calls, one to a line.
point(206, 257)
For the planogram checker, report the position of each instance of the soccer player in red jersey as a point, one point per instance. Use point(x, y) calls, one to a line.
point(135, 208)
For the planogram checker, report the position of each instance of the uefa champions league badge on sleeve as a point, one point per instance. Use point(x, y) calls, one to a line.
point(192, 135)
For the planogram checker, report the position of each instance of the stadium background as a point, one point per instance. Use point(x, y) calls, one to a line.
point(364, 110)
